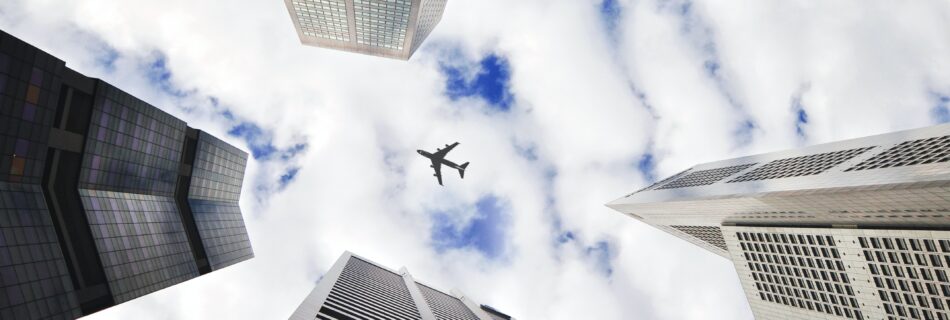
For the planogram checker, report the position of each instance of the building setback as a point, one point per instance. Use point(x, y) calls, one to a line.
point(357, 288)
point(856, 229)
point(103, 197)
point(385, 28)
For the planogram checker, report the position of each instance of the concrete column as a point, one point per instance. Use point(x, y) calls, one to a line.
point(417, 296)
point(472, 306)
point(311, 305)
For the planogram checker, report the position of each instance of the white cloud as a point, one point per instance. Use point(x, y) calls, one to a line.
point(861, 67)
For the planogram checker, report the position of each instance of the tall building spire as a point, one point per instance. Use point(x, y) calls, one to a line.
point(856, 229)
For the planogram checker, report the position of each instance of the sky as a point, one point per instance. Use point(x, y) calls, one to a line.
point(560, 106)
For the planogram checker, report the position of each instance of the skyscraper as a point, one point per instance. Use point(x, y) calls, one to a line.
point(103, 197)
point(385, 28)
point(856, 229)
point(357, 288)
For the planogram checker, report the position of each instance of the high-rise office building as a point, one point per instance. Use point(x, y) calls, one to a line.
point(357, 288)
point(385, 28)
point(856, 229)
point(103, 197)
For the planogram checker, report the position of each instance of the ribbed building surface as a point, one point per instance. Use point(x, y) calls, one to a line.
point(856, 229)
point(103, 197)
point(356, 288)
point(350, 297)
point(385, 28)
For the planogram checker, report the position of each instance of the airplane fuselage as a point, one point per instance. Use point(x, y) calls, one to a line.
point(448, 163)
point(437, 159)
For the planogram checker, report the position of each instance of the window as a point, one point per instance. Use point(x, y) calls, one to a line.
point(709, 234)
point(705, 177)
point(908, 153)
point(800, 166)
point(382, 23)
point(811, 282)
point(18, 166)
point(907, 283)
point(33, 94)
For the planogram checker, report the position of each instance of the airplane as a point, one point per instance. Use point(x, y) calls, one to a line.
point(438, 159)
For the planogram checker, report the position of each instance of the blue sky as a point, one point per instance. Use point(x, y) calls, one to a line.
point(801, 114)
point(485, 231)
point(610, 14)
point(560, 106)
point(490, 82)
point(941, 109)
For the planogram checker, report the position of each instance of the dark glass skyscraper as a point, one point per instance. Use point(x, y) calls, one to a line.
point(103, 197)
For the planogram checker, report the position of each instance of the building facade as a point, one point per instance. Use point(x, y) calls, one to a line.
point(357, 288)
point(856, 229)
point(103, 197)
point(385, 28)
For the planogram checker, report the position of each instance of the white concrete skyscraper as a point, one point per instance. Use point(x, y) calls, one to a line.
point(357, 288)
point(385, 28)
point(856, 229)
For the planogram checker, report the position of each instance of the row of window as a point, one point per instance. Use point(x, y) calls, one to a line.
point(786, 238)
point(382, 25)
point(911, 275)
point(218, 171)
point(905, 244)
point(802, 271)
point(223, 233)
point(149, 248)
point(709, 234)
point(27, 113)
point(132, 146)
point(906, 258)
point(150, 280)
point(776, 274)
point(914, 313)
point(826, 281)
point(785, 260)
point(323, 19)
point(34, 282)
point(920, 287)
point(908, 153)
point(800, 166)
point(814, 306)
point(430, 16)
point(705, 177)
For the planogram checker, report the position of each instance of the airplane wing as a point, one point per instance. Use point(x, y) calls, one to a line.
point(440, 153)
point(437, 166)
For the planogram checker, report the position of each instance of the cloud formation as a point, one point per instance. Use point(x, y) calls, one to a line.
point(560, 105)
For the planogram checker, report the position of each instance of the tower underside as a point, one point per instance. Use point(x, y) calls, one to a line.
point(855, 229)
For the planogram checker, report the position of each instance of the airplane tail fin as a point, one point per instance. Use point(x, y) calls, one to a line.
point(462, 170)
